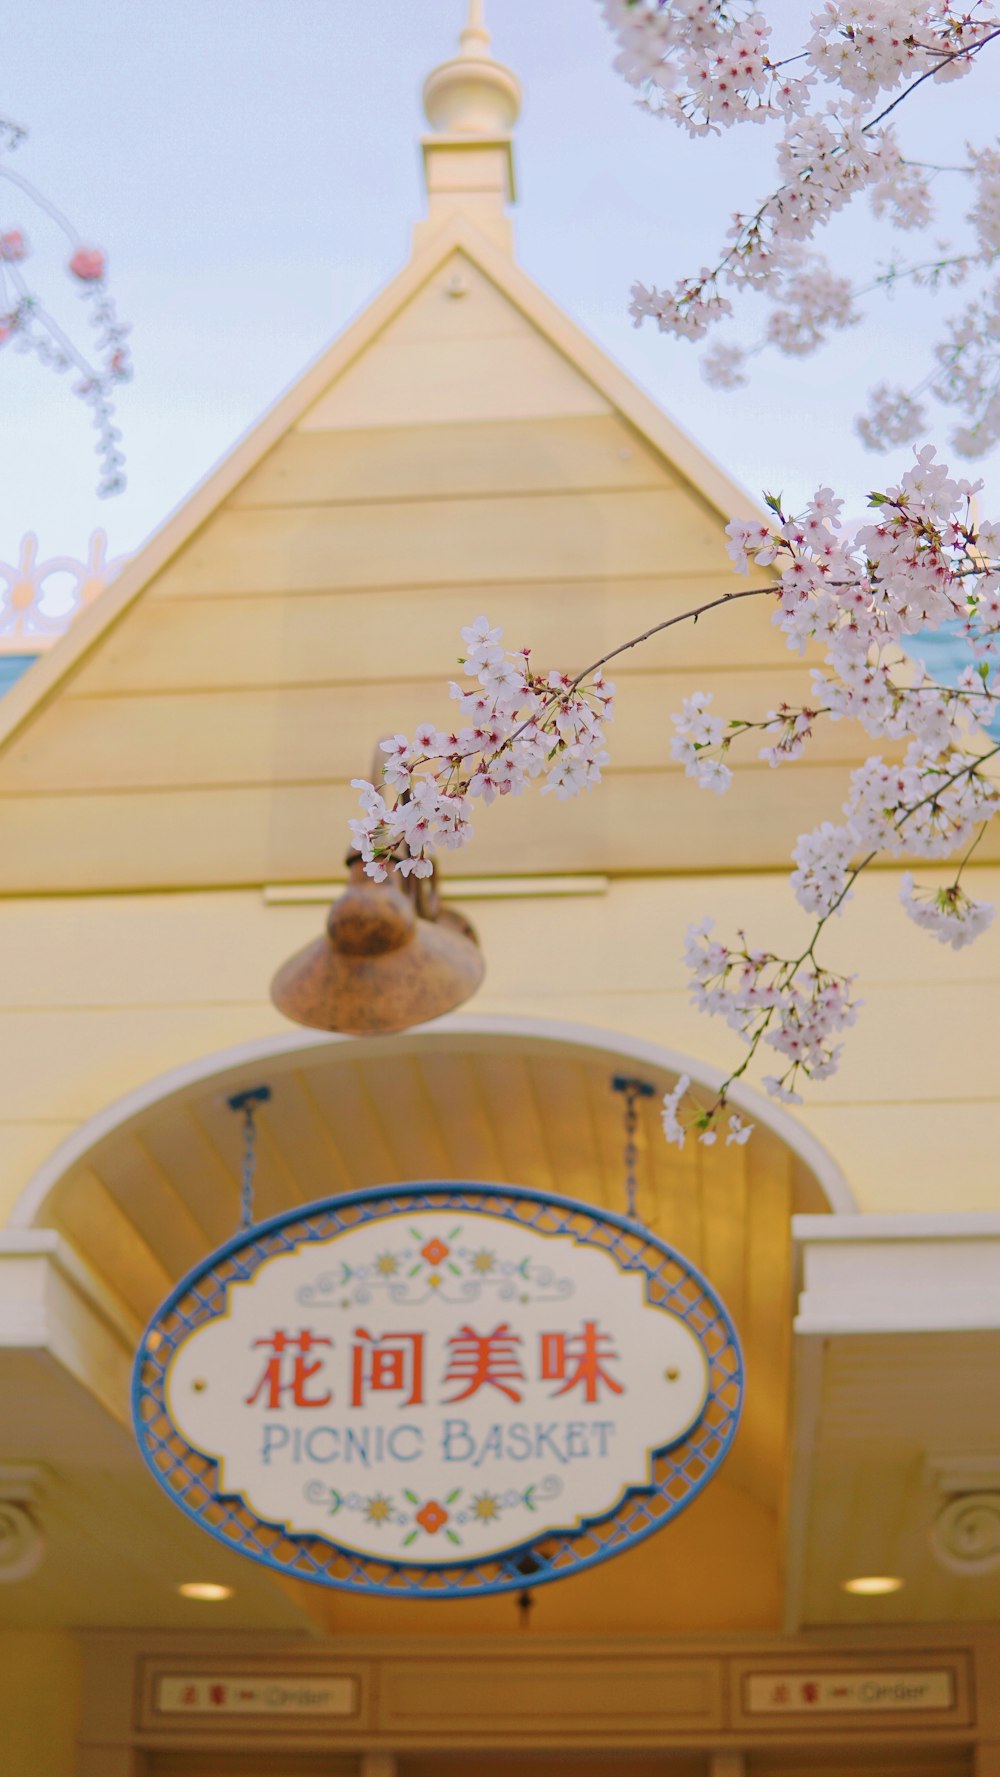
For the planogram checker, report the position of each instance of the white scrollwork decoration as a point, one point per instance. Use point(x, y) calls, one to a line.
point(448, 1271)
point(39, 599)
point(22, 1544)
point(966, 1534)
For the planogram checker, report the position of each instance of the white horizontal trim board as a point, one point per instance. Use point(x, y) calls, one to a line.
point(898, 1274)
point(455, 888)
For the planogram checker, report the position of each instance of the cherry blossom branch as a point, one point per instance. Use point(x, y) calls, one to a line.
point(923, 560)
point(934, 801)
point(756, 990)
point(711, 67)
point(523, 725)
point(968, 855)
point(570, 684)
point(958, 263)
point(964, 54)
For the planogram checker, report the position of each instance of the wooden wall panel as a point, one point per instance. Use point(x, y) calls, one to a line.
point(434, 542)
point(635, 822)
point(252, 1764)
point(452, 1086)
point(416, 462)
point(306, 1140)
point(317, 733)
point(458, 301)
point(210, 642)
point(344, 1101)
point(423, 382)
point(63, 1064)
point(567, 1697)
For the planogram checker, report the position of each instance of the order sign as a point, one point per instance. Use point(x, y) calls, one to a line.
point(427, 1378)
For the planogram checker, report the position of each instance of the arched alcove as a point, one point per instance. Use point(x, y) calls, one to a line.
point(147, 1188)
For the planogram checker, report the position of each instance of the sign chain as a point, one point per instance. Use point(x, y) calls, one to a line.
point(247, 1103)
point(633, 1091)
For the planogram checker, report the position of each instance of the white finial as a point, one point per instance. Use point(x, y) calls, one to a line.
point(472, 103)
point(475, 39)
point(472, 95)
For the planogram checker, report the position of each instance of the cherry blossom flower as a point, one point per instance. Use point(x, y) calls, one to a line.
point(724, 366)
point(790, 1004)
point(708, 65)
point(949, 914)
point(893, 417)
point(923, 559)
point(673, 1129)
point(521, 726)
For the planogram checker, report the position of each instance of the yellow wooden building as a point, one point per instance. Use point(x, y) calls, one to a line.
point(174, 790)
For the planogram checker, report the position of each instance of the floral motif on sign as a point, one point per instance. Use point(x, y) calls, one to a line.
point(441, 1265)
point(420, 1516)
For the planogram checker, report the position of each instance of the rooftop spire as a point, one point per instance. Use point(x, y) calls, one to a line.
point(475, 39)
point(472, 103)
point(472, 95)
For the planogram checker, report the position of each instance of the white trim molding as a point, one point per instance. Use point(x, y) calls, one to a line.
point(235, 1069)
point(897, 1278)
point(898, 1274)
point(53, 1304)
point(22, 1540)
point(40, 597)
point(965, 1535)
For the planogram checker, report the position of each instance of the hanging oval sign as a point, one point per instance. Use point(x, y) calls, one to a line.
point(438, 1389)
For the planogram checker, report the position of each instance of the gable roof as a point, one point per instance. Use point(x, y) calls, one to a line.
point(462, 446)
point(705, 477)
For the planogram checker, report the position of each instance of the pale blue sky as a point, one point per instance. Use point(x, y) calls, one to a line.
point(251, 168)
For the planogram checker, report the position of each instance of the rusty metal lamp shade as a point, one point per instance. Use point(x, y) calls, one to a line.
point(390, 957)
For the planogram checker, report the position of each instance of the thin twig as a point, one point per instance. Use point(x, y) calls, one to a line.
point(955, 55)
point(790, 968)
point(965, 860)
point(691, 616)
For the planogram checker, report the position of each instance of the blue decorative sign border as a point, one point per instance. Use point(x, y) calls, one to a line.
point(680, 1471)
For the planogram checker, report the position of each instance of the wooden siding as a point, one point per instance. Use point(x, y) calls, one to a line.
point(429, 543)
point(297, 734)
point(217, 641)
point(230, 834)
point(210, 735)
point(414, 462)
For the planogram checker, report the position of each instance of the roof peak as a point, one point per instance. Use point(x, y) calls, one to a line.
point(472, 103)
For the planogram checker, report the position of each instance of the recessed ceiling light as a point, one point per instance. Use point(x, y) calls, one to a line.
point(205, 1591)
point(873, 1585)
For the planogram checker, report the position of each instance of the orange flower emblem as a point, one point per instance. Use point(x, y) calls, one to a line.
point(434, 1252)
point(431, 1517)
